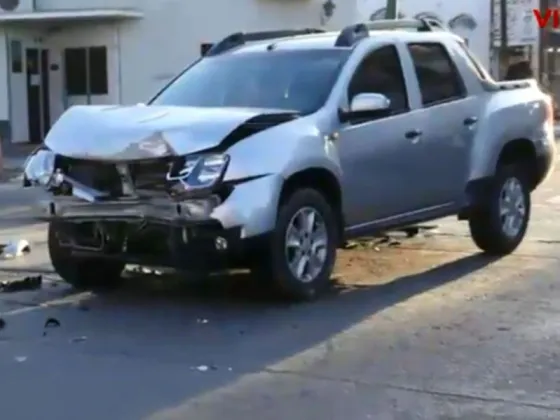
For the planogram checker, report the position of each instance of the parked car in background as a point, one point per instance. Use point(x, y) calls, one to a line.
point(276, 147)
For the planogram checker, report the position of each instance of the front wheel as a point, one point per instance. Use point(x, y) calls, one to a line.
point(82, 272)
point(301, 253)
point(499, 226)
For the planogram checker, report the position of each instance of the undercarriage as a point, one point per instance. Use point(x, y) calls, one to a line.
point(131, 213)
point(198, 247)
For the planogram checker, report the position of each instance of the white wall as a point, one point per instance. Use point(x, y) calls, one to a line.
point(82, 35)
point(18, 83)
point(159, 46)
point(49, 5)
point(479, 38)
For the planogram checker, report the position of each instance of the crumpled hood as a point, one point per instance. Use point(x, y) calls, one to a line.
point(143, 132)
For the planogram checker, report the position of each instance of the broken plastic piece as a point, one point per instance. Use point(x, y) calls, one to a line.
point(27, 283)
point(52, 323)
point(15, 249)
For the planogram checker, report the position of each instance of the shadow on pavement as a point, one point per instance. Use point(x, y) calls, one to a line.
point(225, 324)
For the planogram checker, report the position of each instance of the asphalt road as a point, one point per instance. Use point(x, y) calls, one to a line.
point(424, 329)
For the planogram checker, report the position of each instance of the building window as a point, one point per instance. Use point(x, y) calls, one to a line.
point(75, 70)
point(16, 53)
point(86, 71)
point(97, 70)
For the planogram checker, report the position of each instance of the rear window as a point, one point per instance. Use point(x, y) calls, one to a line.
point(475, 63)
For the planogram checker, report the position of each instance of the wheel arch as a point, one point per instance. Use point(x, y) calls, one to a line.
point(520, 151)
point(322, 180)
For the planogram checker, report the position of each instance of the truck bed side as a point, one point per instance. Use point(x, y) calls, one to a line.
point(510, 111)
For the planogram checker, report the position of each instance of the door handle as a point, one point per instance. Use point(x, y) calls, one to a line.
point(413, 134)
point(470, 121)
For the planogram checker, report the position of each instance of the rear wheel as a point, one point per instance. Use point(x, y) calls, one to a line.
point(301, 253)
point(80, 272)
point(499, 226)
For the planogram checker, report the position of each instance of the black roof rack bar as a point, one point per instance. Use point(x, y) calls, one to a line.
point(240, 38)
point(354, 33)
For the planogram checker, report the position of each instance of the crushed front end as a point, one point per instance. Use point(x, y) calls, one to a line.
point(158, 211)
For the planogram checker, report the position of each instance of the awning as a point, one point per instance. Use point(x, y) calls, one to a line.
point(63, 16)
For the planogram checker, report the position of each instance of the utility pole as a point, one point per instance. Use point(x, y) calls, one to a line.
point(392, 9)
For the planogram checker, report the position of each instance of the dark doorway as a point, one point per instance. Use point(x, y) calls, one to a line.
point(38, 110)
point(33, 95)
point(45, 97)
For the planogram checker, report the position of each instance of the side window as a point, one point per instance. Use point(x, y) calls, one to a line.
point(437, 75)
point(381, 72)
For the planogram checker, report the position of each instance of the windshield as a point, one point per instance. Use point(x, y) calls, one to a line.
point(291, 80)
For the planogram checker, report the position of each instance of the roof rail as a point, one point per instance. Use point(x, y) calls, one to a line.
point(240, 38)
point(354, 33)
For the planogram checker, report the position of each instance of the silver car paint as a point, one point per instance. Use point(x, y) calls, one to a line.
point(383, 174)
point(142, 132)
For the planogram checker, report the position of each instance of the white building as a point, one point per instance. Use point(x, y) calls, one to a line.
point(56, 53)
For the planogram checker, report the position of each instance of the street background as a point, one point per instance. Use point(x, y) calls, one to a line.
point(424, 328)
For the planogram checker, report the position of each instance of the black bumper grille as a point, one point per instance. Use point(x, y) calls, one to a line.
point(150, 174)
point(98, 175)
point(147, 175)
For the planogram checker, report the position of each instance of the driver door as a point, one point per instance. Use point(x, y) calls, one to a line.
point(381, 175)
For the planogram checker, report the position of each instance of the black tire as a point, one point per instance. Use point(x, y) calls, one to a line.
point(274, 268)
point(83, 273)
point(485, 223)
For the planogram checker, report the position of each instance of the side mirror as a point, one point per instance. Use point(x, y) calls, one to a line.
point(365, 106)
point(369, 102)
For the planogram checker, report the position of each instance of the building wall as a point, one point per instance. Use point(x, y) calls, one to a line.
point(154, 49)
point(159, 46)
point(469, 19)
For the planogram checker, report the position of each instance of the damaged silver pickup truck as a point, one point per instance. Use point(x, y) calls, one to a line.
point(276, 147)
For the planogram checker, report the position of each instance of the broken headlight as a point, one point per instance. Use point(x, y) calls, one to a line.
point(200, 172)
point(40, 167)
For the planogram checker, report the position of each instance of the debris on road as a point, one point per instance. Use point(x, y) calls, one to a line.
point(78, 339)
point(2, 324)
point(202, 321)
point(52, 323)
point(15, 249)
point(27, 283)
point(206, 368)
point(20, 359)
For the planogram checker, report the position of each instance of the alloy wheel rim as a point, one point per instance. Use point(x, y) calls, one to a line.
point(306, 244)
point(512, 207)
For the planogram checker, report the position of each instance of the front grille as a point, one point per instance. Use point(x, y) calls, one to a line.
point(98, 175)
point(150, 174)
point(147, 175)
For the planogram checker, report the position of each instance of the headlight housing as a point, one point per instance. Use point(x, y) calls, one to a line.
point(40, 167)
point(200, 172)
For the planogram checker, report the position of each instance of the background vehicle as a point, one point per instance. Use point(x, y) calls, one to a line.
point(271, 154)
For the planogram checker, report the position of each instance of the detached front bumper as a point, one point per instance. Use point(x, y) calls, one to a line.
point(153, 210)
point(251, 207)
